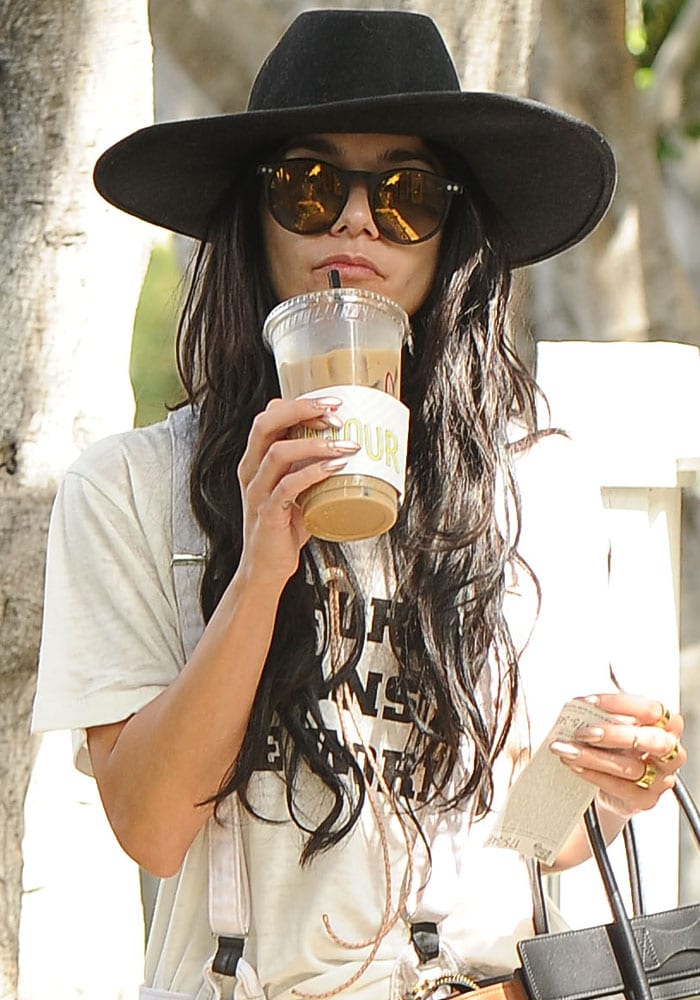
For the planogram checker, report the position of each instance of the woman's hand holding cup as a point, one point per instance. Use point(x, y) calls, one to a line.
point(274, 470)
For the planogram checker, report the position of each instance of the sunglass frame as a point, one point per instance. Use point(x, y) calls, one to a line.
point(372, 181)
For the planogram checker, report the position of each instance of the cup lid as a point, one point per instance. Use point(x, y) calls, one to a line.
point(326, 303)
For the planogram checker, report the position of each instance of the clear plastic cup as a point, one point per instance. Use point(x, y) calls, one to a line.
point(348, 341)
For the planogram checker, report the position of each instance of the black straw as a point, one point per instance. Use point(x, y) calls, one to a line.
point(334, 278)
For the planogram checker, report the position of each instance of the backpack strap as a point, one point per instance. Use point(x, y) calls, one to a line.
point(229, 888)
point(189, 542)
point(229, 893)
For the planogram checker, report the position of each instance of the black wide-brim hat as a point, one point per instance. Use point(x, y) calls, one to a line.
point(550, 176)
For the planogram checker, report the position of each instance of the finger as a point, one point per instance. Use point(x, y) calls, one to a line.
point(280, 506)
point(595, 765)
point(627, 794)
point(646, 711)
point(275, 422)
point(674, 758)
point(627, 767)
point(639, 740)
point(285, 457)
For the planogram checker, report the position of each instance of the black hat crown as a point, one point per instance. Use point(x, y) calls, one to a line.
point(341, 55)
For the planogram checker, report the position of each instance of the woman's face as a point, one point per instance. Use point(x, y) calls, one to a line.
point(353, 245)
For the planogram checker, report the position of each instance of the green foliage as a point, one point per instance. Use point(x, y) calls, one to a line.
point(644, 78)
point(152, 368)
point(648, 24)
point(657, 19)
point(667, 148)
point(636, 37)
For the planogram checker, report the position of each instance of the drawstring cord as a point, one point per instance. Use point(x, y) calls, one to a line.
point(347, 710)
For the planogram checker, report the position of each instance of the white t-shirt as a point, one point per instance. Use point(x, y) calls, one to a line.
point(111, 643)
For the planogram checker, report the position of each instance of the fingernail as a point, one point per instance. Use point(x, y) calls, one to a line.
point(592, 699)
point(347, 446)
point(332, 420)
point(564, 749)
point(334, 464)
point(325, 402)
point(591, 734)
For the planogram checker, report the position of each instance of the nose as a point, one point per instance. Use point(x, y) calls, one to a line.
point(356, 216)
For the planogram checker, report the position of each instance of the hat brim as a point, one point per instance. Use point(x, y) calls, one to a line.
point(550, 176)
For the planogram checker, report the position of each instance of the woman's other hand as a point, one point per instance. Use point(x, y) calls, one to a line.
point(274, 470)
point(633, 759)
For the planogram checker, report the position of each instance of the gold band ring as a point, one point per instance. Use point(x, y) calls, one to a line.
point(672, 753)
point(649, 776)
point(664, 718)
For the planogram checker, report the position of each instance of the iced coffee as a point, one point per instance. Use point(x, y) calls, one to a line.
point(349, 341)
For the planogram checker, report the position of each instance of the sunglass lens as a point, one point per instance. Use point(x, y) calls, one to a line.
point(305, 196)
point(410, 205)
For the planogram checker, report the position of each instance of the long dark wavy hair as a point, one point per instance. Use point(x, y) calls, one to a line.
point(451, 544)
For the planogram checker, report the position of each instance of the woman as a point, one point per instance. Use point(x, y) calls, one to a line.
point(368, 704)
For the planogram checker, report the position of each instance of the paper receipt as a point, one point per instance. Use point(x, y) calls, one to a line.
point(547, 800)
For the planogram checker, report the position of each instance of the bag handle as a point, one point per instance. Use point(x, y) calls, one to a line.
point(692, 814)
point(635, 878)
point(688, 807)
point(622, 939)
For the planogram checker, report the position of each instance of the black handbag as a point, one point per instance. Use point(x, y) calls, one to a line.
point(645, 957)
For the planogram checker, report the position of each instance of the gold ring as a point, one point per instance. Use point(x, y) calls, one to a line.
point(672, 753)
point(664, 718)
point(649, 776)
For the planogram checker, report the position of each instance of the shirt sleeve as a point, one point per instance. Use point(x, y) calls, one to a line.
point(110, 640)
point(561, 620)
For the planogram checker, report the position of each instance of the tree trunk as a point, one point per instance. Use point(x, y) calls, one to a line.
point(624, 282)
point(490, 41)
point(218, 44)
point(74, 75)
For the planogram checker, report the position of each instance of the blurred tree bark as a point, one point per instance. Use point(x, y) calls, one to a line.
point(625, 282)
point(491, 41)
point(673, 103)
point(74, 74)
point(220, 45)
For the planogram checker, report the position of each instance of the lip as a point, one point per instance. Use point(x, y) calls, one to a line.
point(352, 265)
